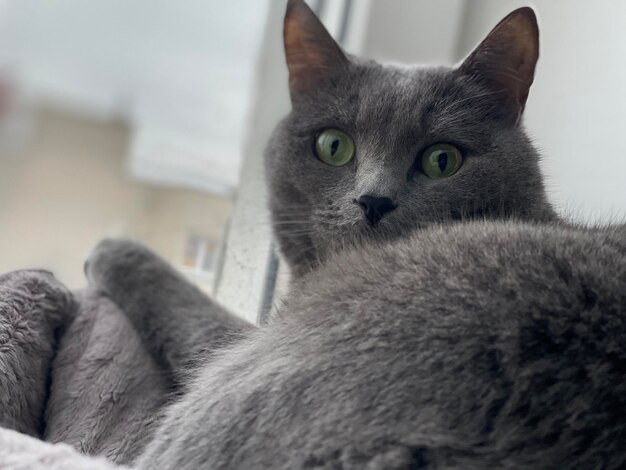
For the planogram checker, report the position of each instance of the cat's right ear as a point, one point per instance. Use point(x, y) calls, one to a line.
point(312, 54)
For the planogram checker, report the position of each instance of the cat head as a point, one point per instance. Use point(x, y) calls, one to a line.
point(373, 151)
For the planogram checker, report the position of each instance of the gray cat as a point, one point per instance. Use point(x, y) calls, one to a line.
point(408, 340)
point(413, 146)
point(478, 345)
point(418, 333)
point(368, 152)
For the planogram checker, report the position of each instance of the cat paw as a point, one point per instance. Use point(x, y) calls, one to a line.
point(109, 257)
point(118, 264)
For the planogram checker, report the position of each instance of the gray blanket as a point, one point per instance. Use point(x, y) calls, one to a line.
point(74, 371)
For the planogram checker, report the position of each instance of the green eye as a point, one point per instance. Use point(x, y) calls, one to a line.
point(334, 147)
point(441, 160)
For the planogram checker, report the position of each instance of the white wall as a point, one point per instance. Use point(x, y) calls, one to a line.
point(67, 188)
point(410, 31)
point(243, 280)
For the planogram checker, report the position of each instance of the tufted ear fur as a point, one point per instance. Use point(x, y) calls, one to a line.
point(506, 59)
point(312, 54)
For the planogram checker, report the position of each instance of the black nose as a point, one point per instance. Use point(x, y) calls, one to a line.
point(375, 207)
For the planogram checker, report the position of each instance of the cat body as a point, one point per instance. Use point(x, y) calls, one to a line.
point(409, 340)
point(478, 345)
point(440, 314)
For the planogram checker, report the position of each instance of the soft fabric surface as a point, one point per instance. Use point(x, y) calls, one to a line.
point(21, 452)
point(74, 370)
point(34, 308)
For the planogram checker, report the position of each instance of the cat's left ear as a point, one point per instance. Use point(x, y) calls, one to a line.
point(505, 60)
point(312, 54)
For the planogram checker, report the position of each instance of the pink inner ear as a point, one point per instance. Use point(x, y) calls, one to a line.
point(311, 52)
point(304, 62)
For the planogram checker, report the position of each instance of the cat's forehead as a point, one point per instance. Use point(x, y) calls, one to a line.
point(398, 81)
point(408, 90)
point(411, 101)
point(397, 103)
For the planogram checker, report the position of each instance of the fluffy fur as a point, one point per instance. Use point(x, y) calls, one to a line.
point(106, 391)
point(392, 114)
point(480, 345)
point(419, 343)
point(34, 307)
point(179, 324)
point(473, 345)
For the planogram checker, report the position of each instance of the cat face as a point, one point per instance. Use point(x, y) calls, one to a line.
point(373, 152)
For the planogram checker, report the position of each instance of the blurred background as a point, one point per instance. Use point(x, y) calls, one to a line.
point(147, 119)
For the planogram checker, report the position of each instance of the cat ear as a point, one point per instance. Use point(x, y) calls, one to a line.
point(506, 59)
point(311, 53)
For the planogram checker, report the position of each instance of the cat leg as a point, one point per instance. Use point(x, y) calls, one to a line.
point(106, 389)
point(178, 323)
point(34, 307)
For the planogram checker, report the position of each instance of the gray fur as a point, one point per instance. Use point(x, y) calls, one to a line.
point(471, 345)
point(74, 368)
point(110, 380)
point(179, 324)
point(434, 340)
point(392, 113)
point(34, 307)
point(106, 391)
point(478, 345)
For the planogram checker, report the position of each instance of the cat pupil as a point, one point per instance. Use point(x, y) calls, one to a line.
point(334, 146)
point(442, 160)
